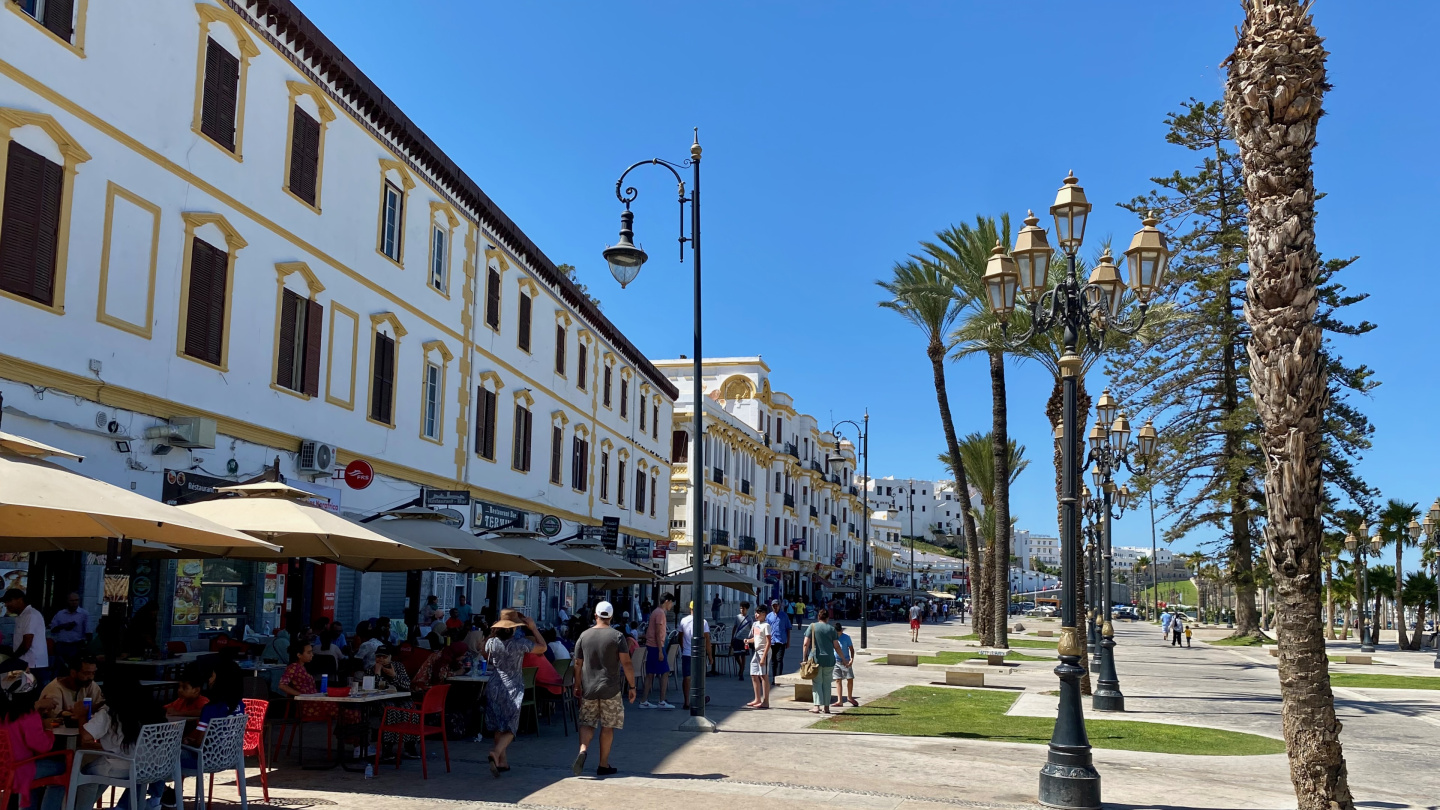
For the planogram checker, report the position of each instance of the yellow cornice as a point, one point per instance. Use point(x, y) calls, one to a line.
point(387, 317)
point(283, 269)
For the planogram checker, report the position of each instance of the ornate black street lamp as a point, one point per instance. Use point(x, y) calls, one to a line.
point(1083, 310)
point(864, 431)
point(1360, 550)
point(625, 260)
point(1432, 544)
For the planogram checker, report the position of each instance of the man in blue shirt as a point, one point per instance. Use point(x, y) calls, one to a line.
point(779, 638)
point(466, 612)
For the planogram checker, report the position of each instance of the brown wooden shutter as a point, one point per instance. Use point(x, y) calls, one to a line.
point(639, 490)
point(492, 299)
point(582, 362)
point(654, 421)
point(304, 156)
point(575, 463)
point(205, 309)
point(285, 352)
point(59, 14)
point(620, 485)
point(314, 323)
point(559, 349)
point(221, 94)
point(557, 436)
point(485, 419)
point(624, 398)
point(383, 382)
point(529, 438)
point(30, 232)
point(524, 337)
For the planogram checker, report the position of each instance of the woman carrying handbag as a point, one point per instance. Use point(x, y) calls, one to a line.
point(817, 660)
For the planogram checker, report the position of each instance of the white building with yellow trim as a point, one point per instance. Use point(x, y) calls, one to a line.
point(217, 232)
point(778, 503)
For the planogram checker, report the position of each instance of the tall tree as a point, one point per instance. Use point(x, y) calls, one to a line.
point(1419, 591)
point(1395, 530)
point(1274, 87)
point(920, 295)
point(960, 254)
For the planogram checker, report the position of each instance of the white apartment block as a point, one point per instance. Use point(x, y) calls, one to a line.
point(1028, 547)
point(930, 507)
point(778, 505)
point(1124, 558)
point(220, 241)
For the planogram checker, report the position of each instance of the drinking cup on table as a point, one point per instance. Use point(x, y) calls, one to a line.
point(367, 683)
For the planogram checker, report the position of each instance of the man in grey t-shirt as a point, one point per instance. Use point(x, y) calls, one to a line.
point(602, 654)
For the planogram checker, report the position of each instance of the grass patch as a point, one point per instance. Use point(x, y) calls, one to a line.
point(1188, 594)
point(1361, 680)
point(1039, 644)
point(1244, 641)
point(922, 711)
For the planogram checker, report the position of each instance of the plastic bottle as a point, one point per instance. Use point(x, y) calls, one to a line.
point(324, 684)
point(369, 771)
point(88, 707)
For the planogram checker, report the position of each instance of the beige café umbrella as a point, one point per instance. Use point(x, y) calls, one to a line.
point(561, 562)
point(274, 512)
point(427, 528)
point(46, 507)
point(624, 570)
point(716, 576)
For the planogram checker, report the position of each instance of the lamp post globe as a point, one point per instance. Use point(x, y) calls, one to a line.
point(1146, 258)
point(1070, 211)
point(625, 257)
point(1001, 280)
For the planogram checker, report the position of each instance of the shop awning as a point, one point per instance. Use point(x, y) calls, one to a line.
point(275, 513)
point(941, 595)
point(561, 562)
point(624, 570)
point(46, 507)
point(426, 528)
point(842, 589)
point(716, 576)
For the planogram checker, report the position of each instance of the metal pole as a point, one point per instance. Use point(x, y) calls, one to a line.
point(697, 720)
point(1069, 778)
point(1154, 563)
point(1367, 645)
point(1107, 697)
point(910, 500)
point(865, 539)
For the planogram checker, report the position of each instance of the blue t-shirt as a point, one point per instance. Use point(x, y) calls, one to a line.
point(779, 627)
point(214, 711)
point(847, 645)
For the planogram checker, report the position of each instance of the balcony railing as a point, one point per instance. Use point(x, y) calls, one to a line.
point(680, 471)
point(720, 537)
point(855, 492)
point(717, 475)
point(790, 500)
point(677, 524)
point(744, 487)
point(792, 450)
point(747, 543)
point(834, 521)
point(814, 511)
point(815, 465)
point(834, 478)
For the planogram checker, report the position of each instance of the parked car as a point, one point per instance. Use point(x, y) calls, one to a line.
point(1043, 611)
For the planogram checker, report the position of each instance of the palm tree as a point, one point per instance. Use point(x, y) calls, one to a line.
point(1394, 529)
point(924, 298)
point(1419, 591)
point(1343, 588)
point(1273, 91)
point(960, 254)
point(1380, 582)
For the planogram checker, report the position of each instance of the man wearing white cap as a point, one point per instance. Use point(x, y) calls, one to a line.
point(602, 654)
point(687, 639)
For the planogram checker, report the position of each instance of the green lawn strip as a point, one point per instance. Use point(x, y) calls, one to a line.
point(1364, 680)
point(1042, 644)
point(1188, 594)
point(1246, 641)
point(922, 711)
point(955, 657)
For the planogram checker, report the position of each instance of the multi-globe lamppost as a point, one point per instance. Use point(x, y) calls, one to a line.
point(625, 259)
point(864, 437)
point(1432, 544)
point(1110, 450)
point(1084, 310)
point(1358, 548)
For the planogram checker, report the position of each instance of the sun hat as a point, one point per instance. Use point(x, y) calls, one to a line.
point(604, 610)
point(509, 617)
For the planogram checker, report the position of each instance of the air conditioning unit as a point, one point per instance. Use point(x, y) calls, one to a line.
point(315, 457)
point(185, 431)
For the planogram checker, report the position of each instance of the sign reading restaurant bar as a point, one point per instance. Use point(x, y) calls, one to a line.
point(446, 497)
point(494, 516)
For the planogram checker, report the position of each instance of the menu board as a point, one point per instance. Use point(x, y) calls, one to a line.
point(188, 574)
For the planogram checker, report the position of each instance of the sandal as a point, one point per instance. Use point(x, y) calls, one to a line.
point(494, 766)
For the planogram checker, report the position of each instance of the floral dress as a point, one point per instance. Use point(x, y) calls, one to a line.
point(298, 678)
point(506, 688)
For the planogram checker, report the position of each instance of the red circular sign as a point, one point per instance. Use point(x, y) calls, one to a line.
point(359, 474)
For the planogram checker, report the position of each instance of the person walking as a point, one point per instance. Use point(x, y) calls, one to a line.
point(799, 613)
point(740, 637)
point(657, 667)
point(1165, 621)
point(30, 644)
point(504, 652)
point(844, 668)
point(715, 604)
point(916, 612)
point(822, 642)
point(779, 622)
point(761, 642)
point(603, 672)
point(1177, 629)
point(1187, 635)
point(687, 642)
point(69, 628)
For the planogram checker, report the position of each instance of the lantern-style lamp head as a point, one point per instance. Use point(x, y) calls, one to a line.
point(1147, 258)
point(1085, 493)
point(1120, 434)
point(1364, 528)
point(1097, 437)
point(1376, 543)
point(1070, 211)
point(1435, 511)
point(1147, 438)
point(1350, 542)
point(1414, 529)
point(1059, 431)
point(1032, 256)
point(1001, 279)
point(1122, 497)
point(625, 258)
point(1106, 407)
point(1095, 474)
point(1106, 277)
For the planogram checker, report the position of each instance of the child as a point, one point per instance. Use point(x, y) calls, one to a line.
point(190, 702)
point(1187, 635)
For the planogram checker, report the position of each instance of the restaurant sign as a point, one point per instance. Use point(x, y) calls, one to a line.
point(446, 497)
point(494, 516)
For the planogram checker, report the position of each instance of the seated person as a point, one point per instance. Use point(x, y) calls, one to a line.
point(67, 694)
point(116, 728)
point(21, 722)
point(545, 675)
point(191, 702)
point(556, 649)
point(453, 623)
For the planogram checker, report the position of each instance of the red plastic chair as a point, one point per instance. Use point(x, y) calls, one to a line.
point(412, 723)
point(8, 764)
point(176, 647)
point(254, 743)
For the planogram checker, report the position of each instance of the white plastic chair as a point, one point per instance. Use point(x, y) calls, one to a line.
point(223, 749)
point(156, 759)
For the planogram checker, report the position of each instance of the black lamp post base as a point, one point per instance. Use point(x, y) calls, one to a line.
point(1070, 787)
point(1107, 698)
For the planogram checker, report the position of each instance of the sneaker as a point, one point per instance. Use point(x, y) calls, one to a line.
point(663, 705)
point(604, 771)
point(578, 766)
point(646, 705)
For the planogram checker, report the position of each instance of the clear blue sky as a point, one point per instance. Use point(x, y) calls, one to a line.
point(837, 135)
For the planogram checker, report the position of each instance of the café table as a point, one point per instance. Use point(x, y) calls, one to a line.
point(162, 691)
point(67, 736)
point(168, 667)
point(364, 701)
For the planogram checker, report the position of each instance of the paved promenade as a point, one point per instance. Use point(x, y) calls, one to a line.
point(772, 759)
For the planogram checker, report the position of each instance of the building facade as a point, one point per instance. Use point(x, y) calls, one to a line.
point(226, 251)
point(1031, 548)
point(778, 503)
point(923, 506)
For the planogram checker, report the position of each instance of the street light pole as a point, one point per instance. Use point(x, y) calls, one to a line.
point(625, 259)
point(1432, 534)
point(1084, 310)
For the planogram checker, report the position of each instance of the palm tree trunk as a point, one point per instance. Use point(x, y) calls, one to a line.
point(936, 351)
point(1273, 97)
point(1329, 604)
point(1402, 642)
point(1001, 448)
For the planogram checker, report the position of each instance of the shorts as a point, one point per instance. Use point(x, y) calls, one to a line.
point(914, 624)
point(685, 666)
point(603, 713)
point(655, 663)
point(757, 668)
point(843, 673)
